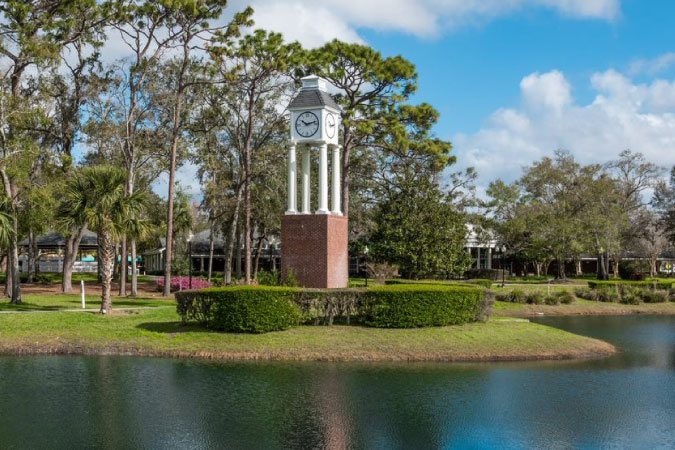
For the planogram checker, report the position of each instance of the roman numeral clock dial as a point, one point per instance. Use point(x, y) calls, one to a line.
point(307, 124)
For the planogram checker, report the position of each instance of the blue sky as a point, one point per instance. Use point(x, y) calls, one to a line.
point(468, 73)
point(516, 80)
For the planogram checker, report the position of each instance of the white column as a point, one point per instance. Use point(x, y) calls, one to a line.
point(489, 258)
point(305, 180)
point(292, 181)
point(323, 180)
point(336, 181)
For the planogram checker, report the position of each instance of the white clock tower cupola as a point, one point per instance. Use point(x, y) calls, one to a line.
point(315, 119)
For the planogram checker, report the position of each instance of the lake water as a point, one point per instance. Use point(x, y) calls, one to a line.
point(625, 401)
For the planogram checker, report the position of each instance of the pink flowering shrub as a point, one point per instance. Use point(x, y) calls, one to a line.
point(183, 283)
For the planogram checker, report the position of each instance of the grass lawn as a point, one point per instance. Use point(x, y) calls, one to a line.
point(73, 301)
point(158, 332)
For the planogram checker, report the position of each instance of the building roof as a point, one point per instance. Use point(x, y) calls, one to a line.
point(201, 243)
point(54, 240)
point(313, 98)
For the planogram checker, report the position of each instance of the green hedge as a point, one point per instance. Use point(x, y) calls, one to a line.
point(403, 281)
point(258, 309)
point(659, 284)
point(414, 306)
point(247, 309)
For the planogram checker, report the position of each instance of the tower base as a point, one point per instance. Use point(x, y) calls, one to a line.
point(314, 247)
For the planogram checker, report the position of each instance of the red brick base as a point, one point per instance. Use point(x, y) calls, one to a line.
point(314, 246)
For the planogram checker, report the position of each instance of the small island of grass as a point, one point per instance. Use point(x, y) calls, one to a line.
point(159, 332)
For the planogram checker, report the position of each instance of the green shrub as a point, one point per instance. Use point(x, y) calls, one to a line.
point(248, 309)
point(658, 284)
point(503, 297)
point(412, 306)
point(631, 297)
point(258, 309)
point(552, 300)
point(633, 270)
point(517, 296)
point(272, 278)
point(565, 297)
point(323, 306)
point(400, 281)
point(530, 279)
point(607, 294)
point(653, 296)
point(482, 282)
point(584, 293)
point(534, 298)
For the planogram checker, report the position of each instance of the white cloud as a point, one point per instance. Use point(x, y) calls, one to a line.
point(313, 22)
point(653, 66)
point(549, 91)
point(623, 115)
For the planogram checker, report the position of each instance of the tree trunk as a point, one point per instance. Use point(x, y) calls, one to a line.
point(69, 257)
point(347, 150)
point(30, 257)
point(12, 284)
point(603, 269)
point(232, 238)
point(36, 257)
point(615, 268)
point(579, 272)
point(107, 257)
point(247, 183)
point(258, 250)
point(210, 253)
point(238, 261)
point(169, 219)
point(134, 267)
point(8, 279)
point(124, 265)
point(561, 269)
point(537, 268)
point(99, 266)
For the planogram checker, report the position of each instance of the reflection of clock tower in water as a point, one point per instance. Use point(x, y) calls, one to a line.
point(314, 242)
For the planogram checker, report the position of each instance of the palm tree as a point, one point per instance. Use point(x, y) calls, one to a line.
point(6, 232)
point(97, 194)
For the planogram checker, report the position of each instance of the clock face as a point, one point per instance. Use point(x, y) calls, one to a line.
point(331, 126)
point(307, 124)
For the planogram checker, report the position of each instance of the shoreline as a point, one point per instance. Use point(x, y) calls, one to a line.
point(582, 309)
point(602, 350)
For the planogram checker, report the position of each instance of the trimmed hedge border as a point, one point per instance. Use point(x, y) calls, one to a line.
point(241, 309)
point(665, 285)
point(259, 309)
point(415, 306)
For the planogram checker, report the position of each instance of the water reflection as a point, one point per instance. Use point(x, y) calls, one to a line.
point(626, 401)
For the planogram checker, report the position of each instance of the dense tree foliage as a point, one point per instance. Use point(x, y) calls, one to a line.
point(560, 210)
point(198, 84)
point(422, 233)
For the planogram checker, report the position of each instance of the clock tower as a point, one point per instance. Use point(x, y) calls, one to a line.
point(314, 244)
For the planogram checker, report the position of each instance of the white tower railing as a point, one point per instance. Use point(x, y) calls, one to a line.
point(323, 149)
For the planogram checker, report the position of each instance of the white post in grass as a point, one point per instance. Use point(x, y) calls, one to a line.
point(82, 293)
